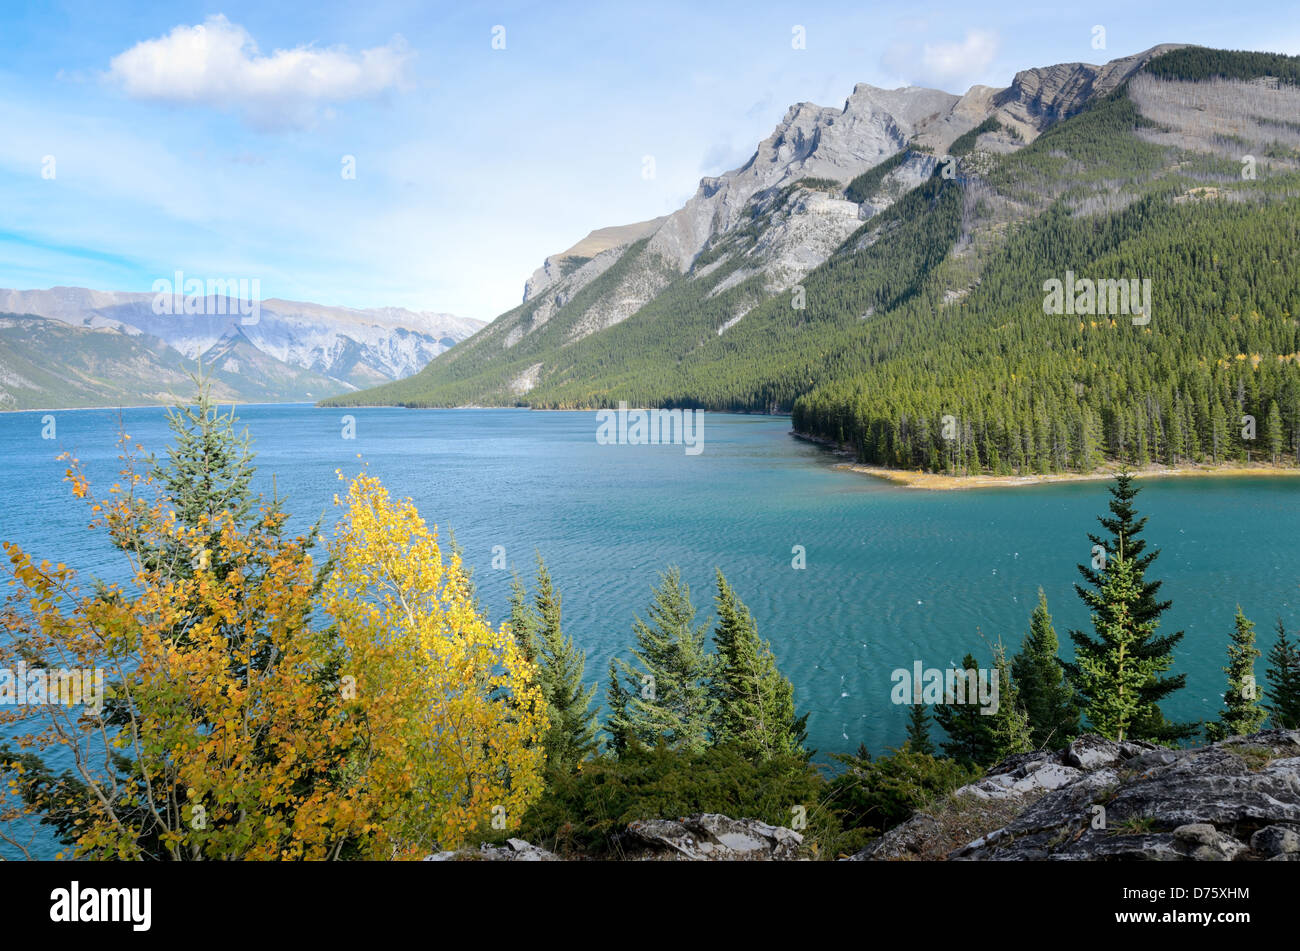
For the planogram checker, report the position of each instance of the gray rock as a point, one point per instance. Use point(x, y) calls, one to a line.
point(1148, 802)
point(1160, 804)
point(903, 841)
point(715, 838)
point(515, 850)
point(1276, 840)
point(1091, 752)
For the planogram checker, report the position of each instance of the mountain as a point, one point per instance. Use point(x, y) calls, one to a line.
point(880, 271)
point(104, 347)
point(558, 266)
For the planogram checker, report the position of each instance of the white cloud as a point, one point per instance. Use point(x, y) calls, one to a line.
point(950, 66)
point(217, 63)
point(952, 60)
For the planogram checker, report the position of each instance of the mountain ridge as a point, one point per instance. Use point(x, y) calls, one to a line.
point(815, 180)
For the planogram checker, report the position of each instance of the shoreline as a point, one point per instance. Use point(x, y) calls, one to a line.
point(938, 482)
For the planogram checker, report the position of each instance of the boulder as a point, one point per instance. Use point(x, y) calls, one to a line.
point(515, 850)
point(713, 838)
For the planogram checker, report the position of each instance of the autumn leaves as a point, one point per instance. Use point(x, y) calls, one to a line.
point(260, 705)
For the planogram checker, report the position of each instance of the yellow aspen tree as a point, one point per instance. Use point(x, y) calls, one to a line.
point(452, 710)
point(222, 732)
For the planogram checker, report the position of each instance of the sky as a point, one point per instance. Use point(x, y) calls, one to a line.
point(431, 155)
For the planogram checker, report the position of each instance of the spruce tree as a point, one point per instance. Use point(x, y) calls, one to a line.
point(209, 466)
point(1011, 731)
point(208, 472)
point(664, 694)
point(1039, 677)
point(616, 698)
point(523, 620)
point(971, 741)
point(1125, 528)
point(1284, 681)
point(1111, 669)
point(754, 702)
point(1273, 431)
point(571, 737)
point(918, 730)
point(206, 477)
point(1243, 713)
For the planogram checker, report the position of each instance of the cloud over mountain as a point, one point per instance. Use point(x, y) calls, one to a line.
point(218, 64)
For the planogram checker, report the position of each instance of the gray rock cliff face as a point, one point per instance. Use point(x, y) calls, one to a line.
point(810, 142)
point(1045, 95)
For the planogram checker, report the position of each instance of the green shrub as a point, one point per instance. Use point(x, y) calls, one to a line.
point(876, 795)
point(582, 813)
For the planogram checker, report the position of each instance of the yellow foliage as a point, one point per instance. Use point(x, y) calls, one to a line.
point(262, 717)
point(453, 706)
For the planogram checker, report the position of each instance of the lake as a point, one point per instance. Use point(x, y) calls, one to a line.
point(893, 575)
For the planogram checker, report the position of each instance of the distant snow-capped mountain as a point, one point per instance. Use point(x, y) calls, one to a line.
point(356, 347)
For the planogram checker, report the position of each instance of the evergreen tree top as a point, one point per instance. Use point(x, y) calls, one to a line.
point(210, 466)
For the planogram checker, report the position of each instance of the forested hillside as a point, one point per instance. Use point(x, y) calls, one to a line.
point(923, 340)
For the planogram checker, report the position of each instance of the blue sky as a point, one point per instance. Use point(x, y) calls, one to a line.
point(144, 138)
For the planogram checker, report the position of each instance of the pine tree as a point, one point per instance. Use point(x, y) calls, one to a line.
point(208, 471)
point(1243, 714)
point(918, 730)
point(971, 741)
point(1218, 432)
point(467, 572)
point(755, 703)
point(571, 737)
point(209, 466)
point(1284, 681)
point(523, 620)
point(1011, 730)
point(664, 697)
point(1125, 528)
point(1039, 677)
point(1273, 430)
point(616, 698)
point(1112, 670)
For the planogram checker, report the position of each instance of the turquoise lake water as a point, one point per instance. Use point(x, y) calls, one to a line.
point(893, 575)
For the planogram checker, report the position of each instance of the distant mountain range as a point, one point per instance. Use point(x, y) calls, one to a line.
point(878, 270)
point(70, 346)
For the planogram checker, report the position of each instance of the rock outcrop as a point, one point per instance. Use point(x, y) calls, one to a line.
point(712, 838)
point(703, 837)
point(515, 850)
point(1043, 96)
point(1099, 800)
